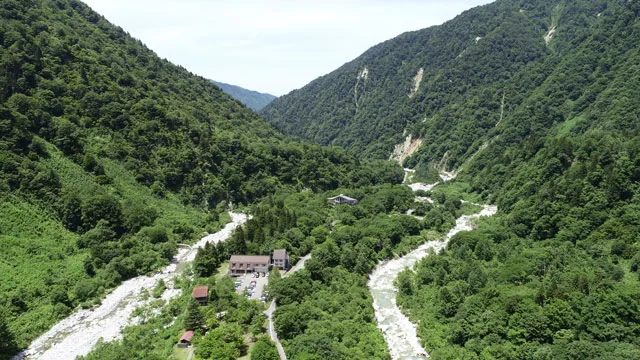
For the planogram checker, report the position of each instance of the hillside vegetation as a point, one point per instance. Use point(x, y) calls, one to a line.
point(554, 121)
point(475, 71)
point(324, 310)
point(110, 156)
point(254, 100)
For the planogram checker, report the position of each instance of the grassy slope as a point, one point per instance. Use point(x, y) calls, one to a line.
point(75, 88)
point(39, 253)
point(36, 251)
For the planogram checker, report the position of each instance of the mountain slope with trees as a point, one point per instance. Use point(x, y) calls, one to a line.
point(475, 71)
point(254, 100)
point(539, 114)
point(109, 156)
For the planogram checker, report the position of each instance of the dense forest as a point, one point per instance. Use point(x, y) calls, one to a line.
point(110, 156)
point(556, 275)
point(252, 99)
point(545, 128)
point(325, 310)
point(450, 84)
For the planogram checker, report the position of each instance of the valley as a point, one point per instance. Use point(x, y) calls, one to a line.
point(79, 333)
point(128, 184)
point(254, 100)
point(400, 334)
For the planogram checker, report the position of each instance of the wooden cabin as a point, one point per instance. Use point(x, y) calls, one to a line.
point(201, 294)
point(185, 340)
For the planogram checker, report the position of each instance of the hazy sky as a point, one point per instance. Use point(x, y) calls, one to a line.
point(271, 46)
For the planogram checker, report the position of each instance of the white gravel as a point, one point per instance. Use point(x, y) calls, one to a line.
point(77, 334)
point(422, 186)
point(399, 333)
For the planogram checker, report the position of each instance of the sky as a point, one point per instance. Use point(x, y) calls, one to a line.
point(272, 46)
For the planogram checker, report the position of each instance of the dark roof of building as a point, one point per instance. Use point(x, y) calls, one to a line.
point(186, 336)
point(249, 259)
point(200, 292)
point(279, 254)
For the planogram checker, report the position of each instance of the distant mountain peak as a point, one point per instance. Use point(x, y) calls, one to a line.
point(252, 99)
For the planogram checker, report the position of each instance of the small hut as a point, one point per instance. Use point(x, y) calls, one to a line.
point(201, 294)
point(185, 340)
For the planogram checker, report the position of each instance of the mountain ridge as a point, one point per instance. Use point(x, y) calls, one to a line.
point(368, 115)
point(111, 156)
point(254, 100)
point(534, 111)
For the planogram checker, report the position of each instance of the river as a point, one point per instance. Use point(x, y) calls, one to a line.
point(399, 333)
point(77, 334)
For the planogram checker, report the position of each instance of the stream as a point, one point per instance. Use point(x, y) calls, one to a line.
point(399, 333)
point(77, 334)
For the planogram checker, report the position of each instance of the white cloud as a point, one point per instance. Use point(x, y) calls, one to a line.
point(271, 46)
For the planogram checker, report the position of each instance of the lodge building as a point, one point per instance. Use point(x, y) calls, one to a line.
point(281, 259)
point(245, 264)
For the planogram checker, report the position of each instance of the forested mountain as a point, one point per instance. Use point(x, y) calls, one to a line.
point(109, 156)
point(450, 84)
point(545, 94)
point(252, 99)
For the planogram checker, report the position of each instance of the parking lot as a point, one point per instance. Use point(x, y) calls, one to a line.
point(246, 280)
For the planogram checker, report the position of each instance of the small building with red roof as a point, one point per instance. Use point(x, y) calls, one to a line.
point(201, 294)
point(185, 340)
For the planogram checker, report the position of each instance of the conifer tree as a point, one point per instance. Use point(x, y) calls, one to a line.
point(193, 318)
point(7, 344)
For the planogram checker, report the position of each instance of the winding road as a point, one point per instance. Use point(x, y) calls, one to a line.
point(272, 308)
point(77, 334)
